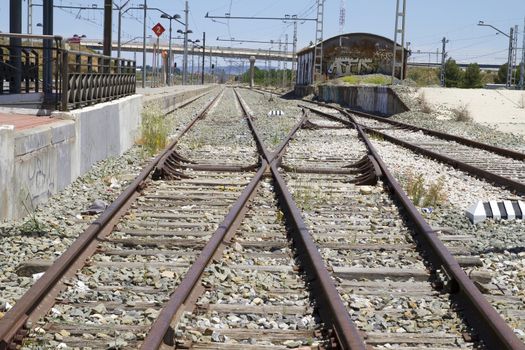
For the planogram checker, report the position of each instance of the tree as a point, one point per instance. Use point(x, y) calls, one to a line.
point(472, 77)
point(502, 74)
point(452, 73)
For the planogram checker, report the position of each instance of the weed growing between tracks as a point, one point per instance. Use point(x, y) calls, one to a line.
point(155, 129)
point(424, 194)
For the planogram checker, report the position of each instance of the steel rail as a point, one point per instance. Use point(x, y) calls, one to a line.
point(249, 118)
point(329, 303)
point(161, 329)
point(442, 135)
point(498, 179)
point(481, 173)
point(489, 325)
point(28, 306)
point(505, 152)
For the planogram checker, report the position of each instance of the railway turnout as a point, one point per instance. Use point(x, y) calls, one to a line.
point(257, 232)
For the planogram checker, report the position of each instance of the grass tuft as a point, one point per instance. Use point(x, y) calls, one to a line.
point(155, 129)
point(425, 106)
point(429, 194)
point(462, 114)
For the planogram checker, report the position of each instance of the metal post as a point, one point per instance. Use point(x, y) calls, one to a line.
point(29, 16)
point(168, 81)
point(285, 78)
point(119, 31)
point(185, 56)
point(397, 47)
point(252, 69)
point(144, 47)
point(294, 54)
point(120, 27)
point(509, 61)
point(108, 16)
point(48, 53)
point(15, 51)
point(192, 56)
point(443, 58)
point(522, 64)
point(203, 55)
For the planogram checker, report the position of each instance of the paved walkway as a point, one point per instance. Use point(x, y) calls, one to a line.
point(23, 121)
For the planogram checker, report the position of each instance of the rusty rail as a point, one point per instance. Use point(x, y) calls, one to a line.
point(489, 325)
point(161, 330)
point(329, 303)
point(498, 179)
point(29, 306)
point(464, 141)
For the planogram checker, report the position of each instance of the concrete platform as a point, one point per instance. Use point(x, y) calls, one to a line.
point(40, 156)
point(24, 121)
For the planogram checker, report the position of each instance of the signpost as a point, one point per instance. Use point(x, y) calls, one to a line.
point(158, 29)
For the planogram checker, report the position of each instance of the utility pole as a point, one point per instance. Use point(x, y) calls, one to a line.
point(318, 49)
point(108, 16)
point(120, 8)
point(510, 65)
point(400, 17)
point(522, 64)
point(29, 16)
point(203, 55)
point(294, 53)
point(144, 47)
point(48, 53)
point(185, 56)
point(15, 50)
point(514, 55)
point(443, 59)
point(285, 74)
point(279, 70)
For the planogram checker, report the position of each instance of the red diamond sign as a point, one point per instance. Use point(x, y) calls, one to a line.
point(158, 29)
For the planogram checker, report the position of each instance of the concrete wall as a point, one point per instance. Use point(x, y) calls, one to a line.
point(168, 101)
point(373, 99)
point(39, 162)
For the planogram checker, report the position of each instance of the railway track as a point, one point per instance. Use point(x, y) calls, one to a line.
point(279, 248)
point(501, 166)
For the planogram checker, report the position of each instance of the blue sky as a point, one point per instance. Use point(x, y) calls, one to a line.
point(427, 22)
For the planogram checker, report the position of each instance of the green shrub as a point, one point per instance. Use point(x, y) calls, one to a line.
point(421, 193)
point(155, 129)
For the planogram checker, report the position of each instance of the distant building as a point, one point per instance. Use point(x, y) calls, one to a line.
point(347, 54)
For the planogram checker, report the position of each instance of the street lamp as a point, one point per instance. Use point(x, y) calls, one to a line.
point(174, 17)
point(185, 56)
point(511, 49)
point(194, 42)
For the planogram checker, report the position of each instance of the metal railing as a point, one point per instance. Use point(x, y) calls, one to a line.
point(69, 79)
point(90, 78)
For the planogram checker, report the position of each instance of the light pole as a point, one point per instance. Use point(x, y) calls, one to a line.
point(510, 67)
point(194, 44)
point(203, 56)
point(185, 55)
point(119, 8)
point(165, 15)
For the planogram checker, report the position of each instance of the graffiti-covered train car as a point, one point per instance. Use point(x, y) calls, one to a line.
point(346, 54)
